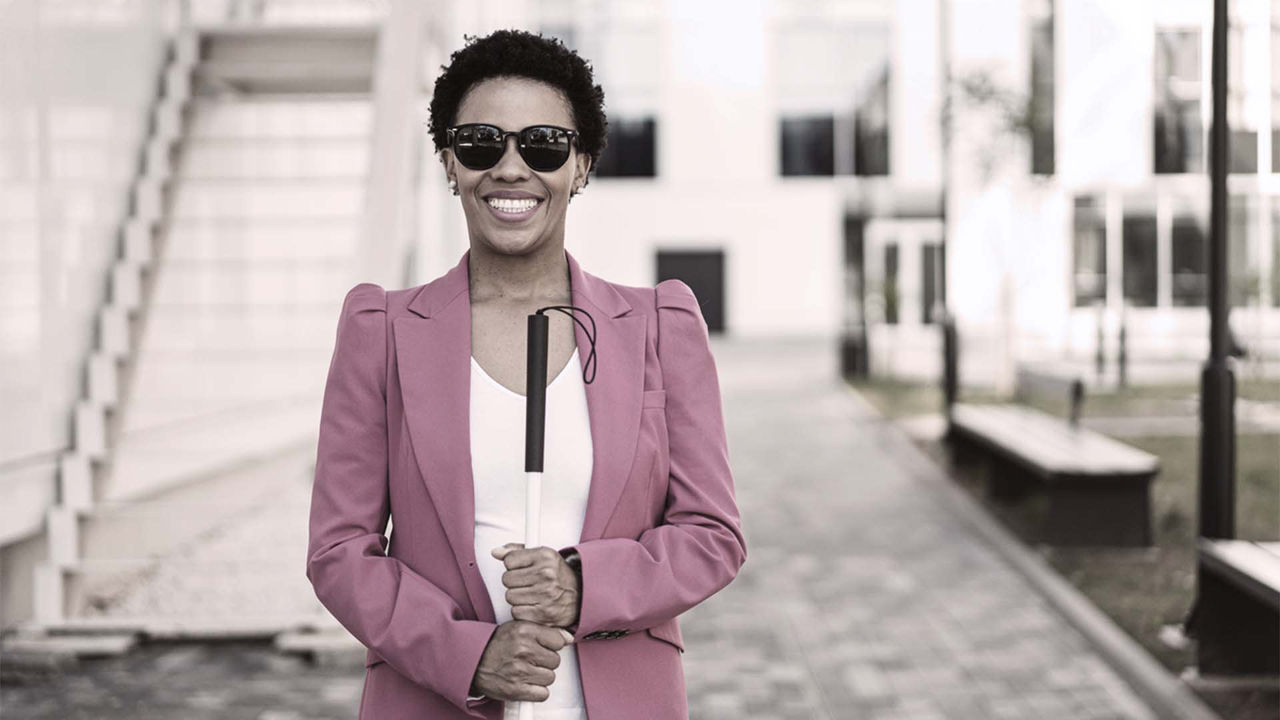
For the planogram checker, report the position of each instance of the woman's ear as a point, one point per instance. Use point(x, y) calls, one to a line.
point(582, 166)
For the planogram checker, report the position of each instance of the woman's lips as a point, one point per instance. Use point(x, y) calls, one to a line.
point(508, 212)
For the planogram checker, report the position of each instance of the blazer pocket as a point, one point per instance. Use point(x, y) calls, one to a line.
point(655, 399)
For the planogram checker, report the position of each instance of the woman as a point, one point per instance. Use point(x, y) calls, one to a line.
point(423, 420)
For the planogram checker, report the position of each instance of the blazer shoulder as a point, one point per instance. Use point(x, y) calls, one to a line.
point(364, 296)
point(675, 293)
point(398, 300)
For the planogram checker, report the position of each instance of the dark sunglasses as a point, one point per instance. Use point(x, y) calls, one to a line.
point(479, 146)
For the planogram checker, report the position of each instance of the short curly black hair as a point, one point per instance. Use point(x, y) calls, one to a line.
point(521, 54)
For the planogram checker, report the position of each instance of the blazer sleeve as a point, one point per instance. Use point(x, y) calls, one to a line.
point(635, 584)
point(413, 624)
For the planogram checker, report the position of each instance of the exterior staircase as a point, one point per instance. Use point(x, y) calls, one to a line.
point(199, 421)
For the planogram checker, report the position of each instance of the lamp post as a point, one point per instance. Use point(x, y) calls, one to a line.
point(1217, 380)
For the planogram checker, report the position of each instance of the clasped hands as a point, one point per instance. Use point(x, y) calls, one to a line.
point(545, 596)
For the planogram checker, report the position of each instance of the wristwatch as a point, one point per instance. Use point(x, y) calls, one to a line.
point(573, 560)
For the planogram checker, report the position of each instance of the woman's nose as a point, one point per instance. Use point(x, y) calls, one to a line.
point(511, 165)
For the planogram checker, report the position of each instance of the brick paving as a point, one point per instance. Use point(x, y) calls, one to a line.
point(861, 598)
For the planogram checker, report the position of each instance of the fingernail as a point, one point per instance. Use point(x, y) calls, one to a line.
point(568, 637)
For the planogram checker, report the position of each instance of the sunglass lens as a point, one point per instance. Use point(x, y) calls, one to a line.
point(544, 148)
point(478, 147)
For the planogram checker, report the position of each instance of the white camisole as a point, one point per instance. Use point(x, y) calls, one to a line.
point(497, 464)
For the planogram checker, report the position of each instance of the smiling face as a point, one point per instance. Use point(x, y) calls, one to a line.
point(497, 201)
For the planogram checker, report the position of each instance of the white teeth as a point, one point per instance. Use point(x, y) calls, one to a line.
point(512, 205)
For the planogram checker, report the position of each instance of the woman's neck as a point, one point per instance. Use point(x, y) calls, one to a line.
point(539, 277)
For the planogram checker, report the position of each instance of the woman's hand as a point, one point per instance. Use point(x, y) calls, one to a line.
point(519, 661)
point(541, 587)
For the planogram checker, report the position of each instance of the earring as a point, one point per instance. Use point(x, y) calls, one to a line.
point(453, 186)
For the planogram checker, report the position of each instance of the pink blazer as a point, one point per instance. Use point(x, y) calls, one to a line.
point(661, 534)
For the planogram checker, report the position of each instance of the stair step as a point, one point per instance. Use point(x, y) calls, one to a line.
point(187, 284)
point(152, 459)
point(290, 119)
point(303, 159)
point(69, 645)
point(261, 238)
point(201, 200)
point(156, 627)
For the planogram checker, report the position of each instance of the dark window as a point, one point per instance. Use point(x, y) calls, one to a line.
point(1139, 235)
point(932, 267)
point(871, 130)
point(1090, 252)
point(1275, 104)
point(1275, 143)
point(1244, 284)
point(808, 145)
point(1189, 262)
point(855, 272)
point(1243, 140)
point(703, 271)
point(1244, 151)
point(1177, 129)
point(1041, 110)
point(1275, 255)
point(891, 297)
point(631, 149)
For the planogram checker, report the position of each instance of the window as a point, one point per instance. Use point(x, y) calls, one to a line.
point(1275, 254)
point(631, 149)
point(1041, 111)
point(808, 145)
point(891, 295)
point(1190, 249)
point(1177, 132)
point(1090, 252)
point(1243, 140)
point(932, 268)
point(833, 87)
point(871, 129)
point(1138, 234)
point(1244, 285)
point(1275, 97)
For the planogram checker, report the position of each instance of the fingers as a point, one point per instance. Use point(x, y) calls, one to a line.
point(529, 693)
point(529, 576)
point(553, 638)
point(515, 555)
point(501, 551)
point(533, 637)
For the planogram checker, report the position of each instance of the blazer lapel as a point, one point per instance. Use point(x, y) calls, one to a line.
point(433, 354)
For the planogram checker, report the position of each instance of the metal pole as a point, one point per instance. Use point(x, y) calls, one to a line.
point(1217, 381)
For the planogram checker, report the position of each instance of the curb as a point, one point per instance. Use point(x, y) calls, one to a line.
point(1167, 696)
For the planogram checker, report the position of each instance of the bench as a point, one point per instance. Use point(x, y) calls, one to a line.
point(1098, 490)
point(1236, 621)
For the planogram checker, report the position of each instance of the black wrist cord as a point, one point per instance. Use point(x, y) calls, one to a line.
point(591, 335)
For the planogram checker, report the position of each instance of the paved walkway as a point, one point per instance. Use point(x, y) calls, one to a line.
point(862, 597)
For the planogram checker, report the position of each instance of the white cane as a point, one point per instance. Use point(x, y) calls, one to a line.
point(534, 434)
point(535, 426)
